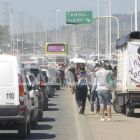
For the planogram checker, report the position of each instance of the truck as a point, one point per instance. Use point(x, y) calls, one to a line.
point(127, 93)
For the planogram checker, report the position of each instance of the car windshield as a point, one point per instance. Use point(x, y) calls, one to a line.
point(52, 72)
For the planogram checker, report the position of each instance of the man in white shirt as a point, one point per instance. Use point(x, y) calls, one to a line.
point(104, 94)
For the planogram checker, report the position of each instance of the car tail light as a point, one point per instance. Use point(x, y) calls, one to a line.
point(21, 90)
point(138, 86)
point(32, 101)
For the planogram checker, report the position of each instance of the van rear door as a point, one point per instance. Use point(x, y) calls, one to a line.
point(9, 83)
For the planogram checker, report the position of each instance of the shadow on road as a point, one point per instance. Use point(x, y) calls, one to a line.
point(48, 120)
point(56, 96)
point(119, 120)
point(44, 127)
point(137, 115)
point(33, 136)
point(39, 136)
point(53, 109)
point(51, 104)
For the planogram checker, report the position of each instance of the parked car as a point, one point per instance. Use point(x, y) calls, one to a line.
point(31, 84)
point(53, 76)
point(41, 81)
point(50, 85)
point(39, 93)
point(15, 105)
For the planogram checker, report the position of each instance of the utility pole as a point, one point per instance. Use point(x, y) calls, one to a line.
point(56, 18)
point(6, 5)
point(106, 28)
point(33, 25)
point(11, 12)
point(110, 39)
point(98, 26)
point(22, 32)
point(131, 19)
point(46, 35)
point(136, 15)
point(124, 26)
point(74, 39)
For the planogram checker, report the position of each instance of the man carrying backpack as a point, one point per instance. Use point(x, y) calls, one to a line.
point(82, 91)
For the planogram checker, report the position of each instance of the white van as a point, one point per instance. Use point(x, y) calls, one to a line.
point(15, 106)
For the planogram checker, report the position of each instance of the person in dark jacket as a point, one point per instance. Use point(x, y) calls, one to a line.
point(82, 90)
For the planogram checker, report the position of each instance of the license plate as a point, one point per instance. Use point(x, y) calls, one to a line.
point(7, 98)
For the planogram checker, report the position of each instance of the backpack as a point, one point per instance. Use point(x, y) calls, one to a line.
point(82, 82)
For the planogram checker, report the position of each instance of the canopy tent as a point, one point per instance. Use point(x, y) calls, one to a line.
point(77, 60)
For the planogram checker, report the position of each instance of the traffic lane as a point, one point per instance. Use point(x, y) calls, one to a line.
point(120, 127)
point(44, 131)
point(64, 127)
point(58, 121)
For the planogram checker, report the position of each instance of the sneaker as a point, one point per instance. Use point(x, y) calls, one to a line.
point(109, 119)
point(80, 109)
point(102, 119)
point(91, 112)
point(97, 113)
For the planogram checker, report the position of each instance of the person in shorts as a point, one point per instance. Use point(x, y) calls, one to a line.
point(104, 94)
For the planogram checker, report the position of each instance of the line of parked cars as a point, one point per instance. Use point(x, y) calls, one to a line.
point(24, 93)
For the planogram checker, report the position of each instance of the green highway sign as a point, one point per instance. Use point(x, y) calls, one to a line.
point(79, 17)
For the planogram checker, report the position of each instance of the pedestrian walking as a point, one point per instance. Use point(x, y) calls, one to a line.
point(94, 94)
point(62, 74)
point(103, 89)
point(71, 78)
point(82, 90)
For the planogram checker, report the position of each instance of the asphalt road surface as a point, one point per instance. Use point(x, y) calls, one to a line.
point(63, 122)
point(58, 121)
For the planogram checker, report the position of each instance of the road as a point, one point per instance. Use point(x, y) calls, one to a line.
point(58, 121)
point(62, 122)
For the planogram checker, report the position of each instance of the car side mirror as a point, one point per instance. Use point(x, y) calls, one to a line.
point(29, 87)
point(46, 78)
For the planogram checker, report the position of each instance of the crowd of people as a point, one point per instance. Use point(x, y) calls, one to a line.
point(96, 84)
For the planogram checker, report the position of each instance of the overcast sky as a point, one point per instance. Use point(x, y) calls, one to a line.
point(47, 8)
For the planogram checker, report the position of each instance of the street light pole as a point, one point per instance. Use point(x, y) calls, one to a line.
point(56, 18)
point(131, 19)
point(33, 24)
point(110, 39)
point(12, 30)
point(73, 39)
point(118, 26)
point(115, 18)
point(124, 28)
point(98, 26)
point(136, 15)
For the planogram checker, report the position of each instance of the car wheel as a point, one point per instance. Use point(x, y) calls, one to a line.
point(40, 115)
point(29, 128)
point(129, 111)
point(53, 91)
point(117, 108)
point(45, 105)
point(22, 130)
point(34, 124)
point(58, 87)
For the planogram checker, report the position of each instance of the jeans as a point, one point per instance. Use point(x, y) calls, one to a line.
point(94, 97)
point(81, 95)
